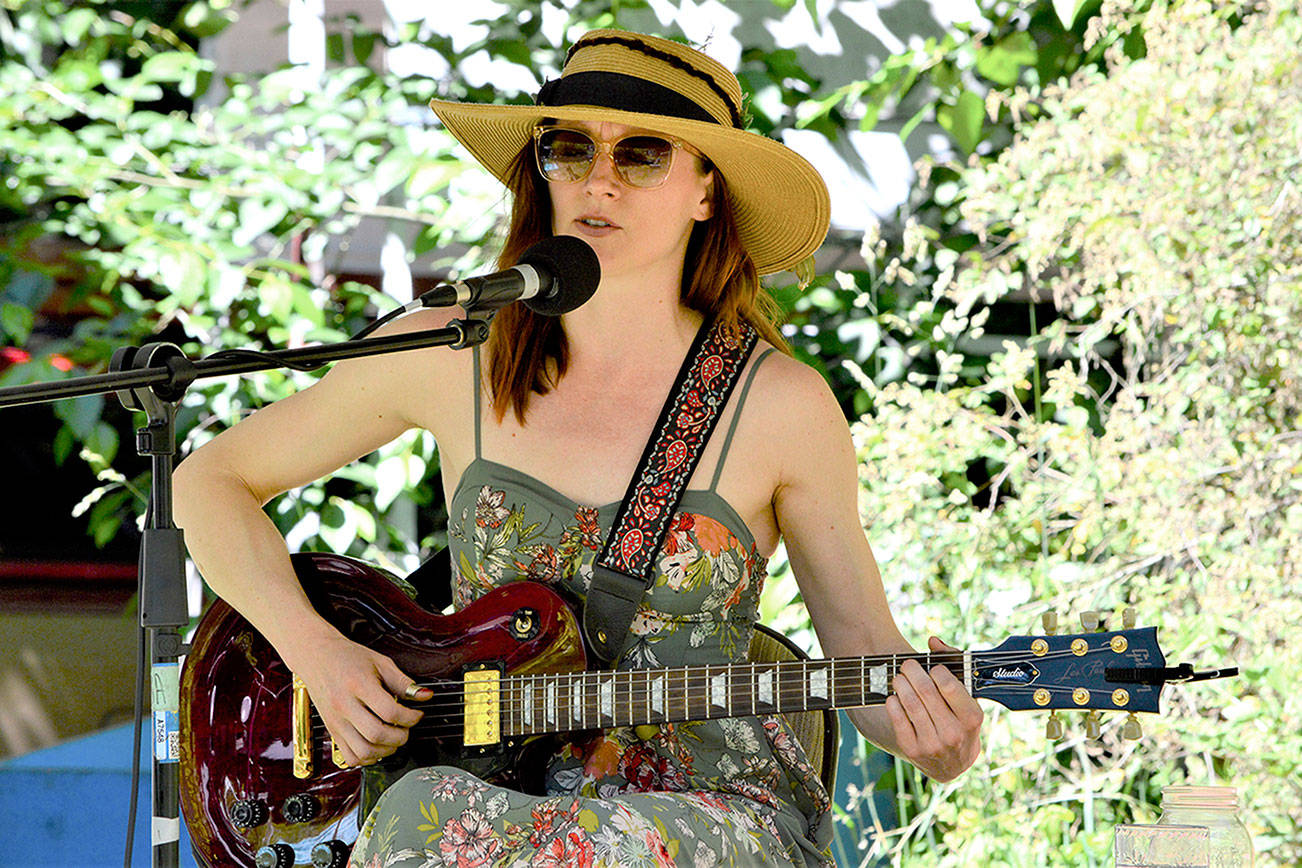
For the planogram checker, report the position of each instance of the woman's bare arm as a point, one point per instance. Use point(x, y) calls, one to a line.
point(930, 720)
point(220, 492)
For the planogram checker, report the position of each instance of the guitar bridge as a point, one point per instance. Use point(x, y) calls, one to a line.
point(301, 727)
point(483, 708)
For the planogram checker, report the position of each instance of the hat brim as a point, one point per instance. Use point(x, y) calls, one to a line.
point(779, 200)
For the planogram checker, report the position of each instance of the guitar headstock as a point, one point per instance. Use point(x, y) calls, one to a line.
point(1079, 671)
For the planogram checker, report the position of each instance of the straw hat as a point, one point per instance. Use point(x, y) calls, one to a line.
point(779, 199)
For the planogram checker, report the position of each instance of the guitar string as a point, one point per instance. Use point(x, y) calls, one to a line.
point(512, 695)
point(448, 728)
point(511, 685)
point(512, 689)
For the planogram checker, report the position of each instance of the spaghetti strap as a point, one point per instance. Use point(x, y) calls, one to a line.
point(479, 387)
point(736, 414)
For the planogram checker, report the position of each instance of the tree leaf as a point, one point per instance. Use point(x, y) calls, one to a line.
point(964, 120)
point(1003, 62)
point(1067, 11)
point(17, 321)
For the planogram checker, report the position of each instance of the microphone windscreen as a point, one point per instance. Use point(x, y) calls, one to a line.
point(574, 269)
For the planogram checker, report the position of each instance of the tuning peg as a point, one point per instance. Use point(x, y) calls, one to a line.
point(1050, 622)
point(1092, 621)
point(1053, 727)
point(1092, 727)
point(1132, 730)
point(1128, 618)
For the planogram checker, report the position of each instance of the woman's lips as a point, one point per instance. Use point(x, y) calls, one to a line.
point(595, 227)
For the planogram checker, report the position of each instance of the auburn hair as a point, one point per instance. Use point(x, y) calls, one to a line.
point(528, 353)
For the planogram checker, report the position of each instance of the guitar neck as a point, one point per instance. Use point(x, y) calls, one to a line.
point(536, 704)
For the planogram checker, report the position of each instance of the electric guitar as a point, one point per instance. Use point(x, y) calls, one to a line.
point(259, 784)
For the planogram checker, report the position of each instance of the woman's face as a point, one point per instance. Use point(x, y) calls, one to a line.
point(635, 231)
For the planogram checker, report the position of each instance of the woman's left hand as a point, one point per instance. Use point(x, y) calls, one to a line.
point(937, 723)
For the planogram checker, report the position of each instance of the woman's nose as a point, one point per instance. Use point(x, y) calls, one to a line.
point(603, 175)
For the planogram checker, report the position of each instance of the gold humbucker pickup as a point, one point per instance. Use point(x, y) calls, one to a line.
point(483, 709)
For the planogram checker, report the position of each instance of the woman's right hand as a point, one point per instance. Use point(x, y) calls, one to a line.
point(356, 691)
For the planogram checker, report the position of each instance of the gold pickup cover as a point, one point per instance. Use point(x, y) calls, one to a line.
point(483, 711)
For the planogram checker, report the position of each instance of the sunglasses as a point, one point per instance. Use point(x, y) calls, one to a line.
point(641, 160)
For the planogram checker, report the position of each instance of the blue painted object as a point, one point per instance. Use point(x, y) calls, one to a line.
point(66, 806)
point(860, 765)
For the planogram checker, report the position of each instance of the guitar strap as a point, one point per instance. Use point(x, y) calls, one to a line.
point(625, 569)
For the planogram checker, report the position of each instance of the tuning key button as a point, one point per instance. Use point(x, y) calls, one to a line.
point(1053, 727)
point(1092, 727)
point(331, 854)
point(300, 808)
point(248, 813)
point(1050, 622)
point(275, 856)
point(1131, 730)
point(1091, 620)
point(1128, 618)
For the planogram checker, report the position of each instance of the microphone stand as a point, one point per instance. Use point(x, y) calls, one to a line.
point(152, 379)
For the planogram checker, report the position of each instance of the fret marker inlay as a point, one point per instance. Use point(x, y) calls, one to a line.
point(818, 683)
point(606, 695)
point(719, 690)
point(877, 680)
point(549, 702)
point(658, 695)
point(764, 684)
point(576, 702)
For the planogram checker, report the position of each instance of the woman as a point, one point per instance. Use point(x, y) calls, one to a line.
point(637, 149)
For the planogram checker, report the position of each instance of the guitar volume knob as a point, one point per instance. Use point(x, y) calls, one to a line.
point(300, 808)
point(275, 856)
point(331, 854)
point(248, 814)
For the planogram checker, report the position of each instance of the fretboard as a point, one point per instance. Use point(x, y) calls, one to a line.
point(592, 700)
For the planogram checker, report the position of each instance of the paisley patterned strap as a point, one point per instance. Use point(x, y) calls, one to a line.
point(625, 568)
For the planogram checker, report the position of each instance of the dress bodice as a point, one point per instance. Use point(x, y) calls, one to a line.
point(505, 524)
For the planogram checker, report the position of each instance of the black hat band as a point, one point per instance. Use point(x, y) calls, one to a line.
point(615, 90)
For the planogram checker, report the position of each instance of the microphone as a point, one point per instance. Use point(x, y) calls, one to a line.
point(553, 277)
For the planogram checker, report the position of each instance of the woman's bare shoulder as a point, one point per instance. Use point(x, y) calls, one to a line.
point(792, 395)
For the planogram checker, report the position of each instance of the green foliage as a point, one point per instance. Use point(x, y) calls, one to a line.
point(221, 226)
point(1136, 169)
point(1142, 449)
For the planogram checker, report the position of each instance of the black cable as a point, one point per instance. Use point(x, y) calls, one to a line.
point(375, 324)
point(264, 357)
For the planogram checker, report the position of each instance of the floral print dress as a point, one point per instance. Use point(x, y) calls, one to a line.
point(721, 792)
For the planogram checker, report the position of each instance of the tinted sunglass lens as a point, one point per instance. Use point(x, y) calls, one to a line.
point(643, 161)
point(565, 155)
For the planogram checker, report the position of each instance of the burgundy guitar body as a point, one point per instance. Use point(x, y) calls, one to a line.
point(239, 794)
